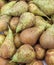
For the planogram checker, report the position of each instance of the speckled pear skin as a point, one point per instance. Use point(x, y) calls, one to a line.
point(6, 9)
point(19, 8)
point(39, 21)
point(36, 10)
point(47, 6)
point(7, 49)
point(14, 9)
point(25, 54)
point(4, 20)
point(26, 21)
point(47, 38)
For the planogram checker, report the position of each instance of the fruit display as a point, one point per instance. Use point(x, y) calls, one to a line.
point(26, 32)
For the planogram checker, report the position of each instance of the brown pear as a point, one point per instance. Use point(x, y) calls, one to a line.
point(17, 40)
point(13, 23)
point(7, 49)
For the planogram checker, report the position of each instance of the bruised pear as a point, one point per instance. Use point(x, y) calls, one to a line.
point(2, 3)
point(47, 38)
point(47, 6)
point(31, 35)
point(7, 49)
point(6, 9)
point(14, 22)
point(25, 54)
point(26, 21)
point(40, 52)
point(17, 40)
point(4, 19)
point(36, 62)
point(50, 57)
point(3, 61)
point(2, 38)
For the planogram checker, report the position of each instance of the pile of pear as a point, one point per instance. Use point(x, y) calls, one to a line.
point(26, 32)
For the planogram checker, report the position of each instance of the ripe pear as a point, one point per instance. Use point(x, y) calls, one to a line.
point(35, 10)
point(26, 21)
point(3, 61)
point(36, 62)
point(25, 54)
point(13, 23)
point(50, 57)
point(4, 20)
point(40, 52)
point(47, 6)
point(47, 38)
point(17, 40)
point(19, 8)
point(2, 38)
point(7, 49)
point(6, 9)
point(31, 35)
point(40, 21)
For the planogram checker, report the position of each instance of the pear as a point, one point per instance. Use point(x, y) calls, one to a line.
point(2, 38)
point(25, 54)
point(35, 62)
point(50, 57)
point(26, 21)
point(6, 9)
point(19, 8)
point(39, 21)
point(47, 6)
point(13, 23)
point(31, 35)
point(35, 10)
point(40, 52)
point(52, 17)
point(17, 40)
point(4, 20)
point(2, 3)
point(47, 38)
point(7, 49)
point(3, 61)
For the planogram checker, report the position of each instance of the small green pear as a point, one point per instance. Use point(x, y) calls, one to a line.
point(25, 54)
point(39, 21)
point(47, 6)
point(35, 10)
point(6, 9)
point(19, 8)
point(26, 21)
point(7, 49)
